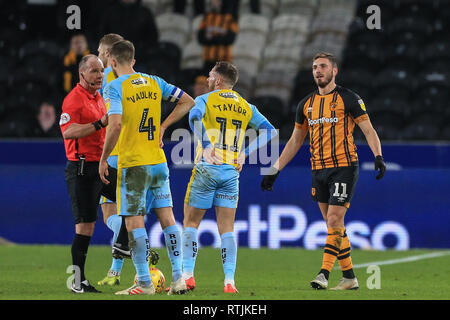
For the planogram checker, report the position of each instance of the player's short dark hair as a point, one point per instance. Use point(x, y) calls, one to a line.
point(228, 71)
point(84, 60)
point(122, 51)
point(110, 38)
point(328, 56)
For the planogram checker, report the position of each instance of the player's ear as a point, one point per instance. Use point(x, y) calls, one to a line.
point(133, 62)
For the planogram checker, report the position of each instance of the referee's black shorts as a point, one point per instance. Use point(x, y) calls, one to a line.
point(85, 191)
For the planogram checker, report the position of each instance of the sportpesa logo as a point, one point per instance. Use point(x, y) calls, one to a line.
point(323, 120)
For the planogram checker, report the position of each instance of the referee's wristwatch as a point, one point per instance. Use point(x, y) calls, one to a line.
point(98, 125)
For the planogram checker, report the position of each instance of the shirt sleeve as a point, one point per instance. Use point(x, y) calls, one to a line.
point(355, 106)
point(258, 121)
point(169, 91)
point(257, 118)
point(301, 121)
point(71, 112)
point(113, 98)
point(195, 121)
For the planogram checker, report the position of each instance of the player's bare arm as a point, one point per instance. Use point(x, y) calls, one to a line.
point(375, 145)
point(183, 106)
point(112, 136)
point(371, 137)
point(291, 148)
point(289, 151)
point(77, 130)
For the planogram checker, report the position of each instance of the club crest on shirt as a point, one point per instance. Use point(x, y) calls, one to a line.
point(64, 119)
point(333, 105)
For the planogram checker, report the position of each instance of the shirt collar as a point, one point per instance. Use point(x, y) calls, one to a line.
point(87, 93)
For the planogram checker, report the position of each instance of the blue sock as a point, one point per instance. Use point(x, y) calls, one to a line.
point(114, 223)
point(229, 254)
point(190, 250)
point(172, 235)
point(139, 252)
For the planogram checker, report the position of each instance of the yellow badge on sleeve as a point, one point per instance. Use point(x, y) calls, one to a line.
point(361, 103)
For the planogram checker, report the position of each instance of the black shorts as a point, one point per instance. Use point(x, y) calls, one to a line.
point(335, 186)
point(85, 191)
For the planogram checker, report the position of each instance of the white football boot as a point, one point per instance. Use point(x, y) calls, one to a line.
point(320, 282)
point(347, 284)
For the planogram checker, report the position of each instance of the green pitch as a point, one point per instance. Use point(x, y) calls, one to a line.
point(39, 272)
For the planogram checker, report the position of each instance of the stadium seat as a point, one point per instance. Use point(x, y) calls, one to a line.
point(270, 106)
point(253, 22)
point(173, 27)
point(35, 47)
point(444, 134)
point(420, 131)
point(281, 58)
point(304, 7)
point(244, 85)
point(297, 22)
point(192, 55)
point(152, 5)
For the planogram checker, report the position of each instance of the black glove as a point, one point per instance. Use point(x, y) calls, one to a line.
point(269, 179)
point(381, 166)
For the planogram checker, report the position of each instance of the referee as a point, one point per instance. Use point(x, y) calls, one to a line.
point(82, 123)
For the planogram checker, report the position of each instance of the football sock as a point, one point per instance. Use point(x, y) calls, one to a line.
point(79, 251)
point(114, 223)
point(172, 235)
point(139, 252)
point(229, 253)
point(331, 250)
point(344, 258)
point(122, 237)
point(190, 250)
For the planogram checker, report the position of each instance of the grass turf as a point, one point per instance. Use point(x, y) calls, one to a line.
point(35, 272)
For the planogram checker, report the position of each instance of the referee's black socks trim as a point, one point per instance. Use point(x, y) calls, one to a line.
point(79, 251)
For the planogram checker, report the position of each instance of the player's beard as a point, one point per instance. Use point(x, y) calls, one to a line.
point(324, 81)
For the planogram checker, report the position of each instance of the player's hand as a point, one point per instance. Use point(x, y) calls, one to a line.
point(104, 119)
point(269, 179)
point(380, 166)
point(162, 129)
point(209, 155)
point(103, 171)
point(240, 161)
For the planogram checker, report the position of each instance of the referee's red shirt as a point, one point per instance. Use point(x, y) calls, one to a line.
point(82, 107)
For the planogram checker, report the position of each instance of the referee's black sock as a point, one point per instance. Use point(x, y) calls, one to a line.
point(122, 237)
point(80, 247)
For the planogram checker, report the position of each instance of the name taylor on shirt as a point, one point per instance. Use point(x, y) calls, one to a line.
point(230, 107)
point(142, 95)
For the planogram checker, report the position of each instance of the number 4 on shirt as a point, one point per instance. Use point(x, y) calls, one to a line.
point(150, 128)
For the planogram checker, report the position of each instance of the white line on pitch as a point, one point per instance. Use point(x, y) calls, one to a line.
point(402, 260)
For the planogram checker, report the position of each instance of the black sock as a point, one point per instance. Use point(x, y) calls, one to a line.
point(80, 247)
point(326, 273)
point(122, 237)
point(348, 274)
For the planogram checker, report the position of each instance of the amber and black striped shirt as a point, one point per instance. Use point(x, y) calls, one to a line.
point(331, 119)
point(223, 29)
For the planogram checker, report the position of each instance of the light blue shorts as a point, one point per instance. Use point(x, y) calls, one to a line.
point(213, 185)
point(112, 161)
point(143, 188)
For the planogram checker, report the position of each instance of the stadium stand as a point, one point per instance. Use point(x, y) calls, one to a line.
point(401, 71)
